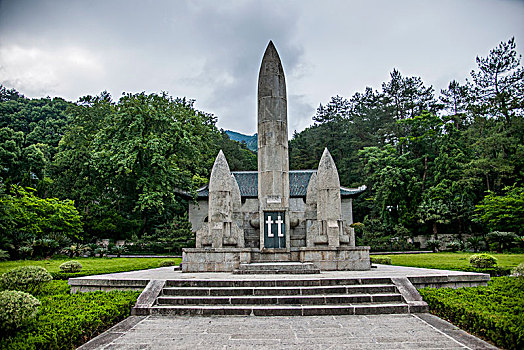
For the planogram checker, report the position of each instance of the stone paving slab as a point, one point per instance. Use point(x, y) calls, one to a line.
point(166, 273)
point(415, 331)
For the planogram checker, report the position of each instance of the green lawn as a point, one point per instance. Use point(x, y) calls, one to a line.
point(450, 261)
point(91, 266)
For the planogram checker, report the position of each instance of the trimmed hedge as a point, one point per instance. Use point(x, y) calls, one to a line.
point(493, 312)
point(27, 279)
point(66, 321)
point(385, 260)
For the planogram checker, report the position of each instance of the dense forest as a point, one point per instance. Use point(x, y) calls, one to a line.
point(447, 164)
point(75, 172)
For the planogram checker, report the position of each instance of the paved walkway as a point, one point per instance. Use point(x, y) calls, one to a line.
point(406, 331)
point(415, 331)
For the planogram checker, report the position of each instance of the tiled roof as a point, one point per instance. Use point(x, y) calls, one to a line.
point(298, 182)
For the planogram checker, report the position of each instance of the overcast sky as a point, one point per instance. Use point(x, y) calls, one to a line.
point(210, 51)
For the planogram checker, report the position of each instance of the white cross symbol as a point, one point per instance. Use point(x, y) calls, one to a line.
point(279, 222)
point(269, 222)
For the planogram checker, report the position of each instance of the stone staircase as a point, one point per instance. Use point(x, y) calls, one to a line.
point(276, 267)
point(278, 297)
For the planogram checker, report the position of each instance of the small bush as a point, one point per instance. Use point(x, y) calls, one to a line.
point(71, 266)
point(454, 246)
point(3, 255)
point(518, 271)
point(475, 243)
point(25, 278)
point(482, 260)
point(433, 244)
point(385, 260)
point(16, 309)
point(166, 263)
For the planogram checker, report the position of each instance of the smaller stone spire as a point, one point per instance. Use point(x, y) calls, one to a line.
point(329, 202)
point(224, 200)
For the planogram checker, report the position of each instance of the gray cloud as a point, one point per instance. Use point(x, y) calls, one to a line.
point(211, 50)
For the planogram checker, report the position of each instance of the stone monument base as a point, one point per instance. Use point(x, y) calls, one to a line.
point(229, 259)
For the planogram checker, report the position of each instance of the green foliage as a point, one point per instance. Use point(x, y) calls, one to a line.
point(505, 212)
point(503, 240)
point(40, 223)
point(4, 255)
point(428, 165)
point(66, 321)
point(90, 266)
point(16, 309)
point(518, 271)
point(454, 246)
point(385, 260)
point(493, 312)
point(475, 243)
point(482, 260)
point(433, 244)
point(28, 279)
point(71, 266)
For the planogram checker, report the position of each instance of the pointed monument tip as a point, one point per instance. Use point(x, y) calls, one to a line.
point(326, 160)
point(270, 47)
point(220, 160)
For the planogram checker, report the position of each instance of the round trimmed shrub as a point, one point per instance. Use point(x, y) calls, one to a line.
point(71, 266)
point(16, 308)
point(518, 271)
point(25, 278)
point(482, 260)
point(166, 263)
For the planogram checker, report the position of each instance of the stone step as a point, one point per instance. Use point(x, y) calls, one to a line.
point(277, 267)
point(276, 282)
point(296, 290)
point(284, 310)
point(281, 299)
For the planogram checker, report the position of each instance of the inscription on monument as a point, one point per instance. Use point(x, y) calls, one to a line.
point(274, 229)
point(274, 200)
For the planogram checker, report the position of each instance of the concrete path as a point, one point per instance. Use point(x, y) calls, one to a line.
point(415, 331)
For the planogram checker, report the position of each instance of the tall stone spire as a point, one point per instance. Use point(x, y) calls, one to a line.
point(273, 158)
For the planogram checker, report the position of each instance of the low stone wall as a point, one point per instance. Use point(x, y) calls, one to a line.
point(337, 259)
point(214, 259)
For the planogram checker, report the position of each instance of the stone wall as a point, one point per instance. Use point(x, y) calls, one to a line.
point(336, 259)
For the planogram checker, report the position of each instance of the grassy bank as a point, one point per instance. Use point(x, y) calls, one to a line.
point(451, 261)
point(91, 266)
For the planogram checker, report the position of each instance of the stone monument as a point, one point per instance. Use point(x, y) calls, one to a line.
point(274, 214)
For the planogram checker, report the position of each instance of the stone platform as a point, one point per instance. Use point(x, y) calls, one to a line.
point(383, 290)
point(137, 280)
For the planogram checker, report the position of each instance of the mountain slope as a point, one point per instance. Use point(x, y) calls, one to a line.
point(251, 141)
